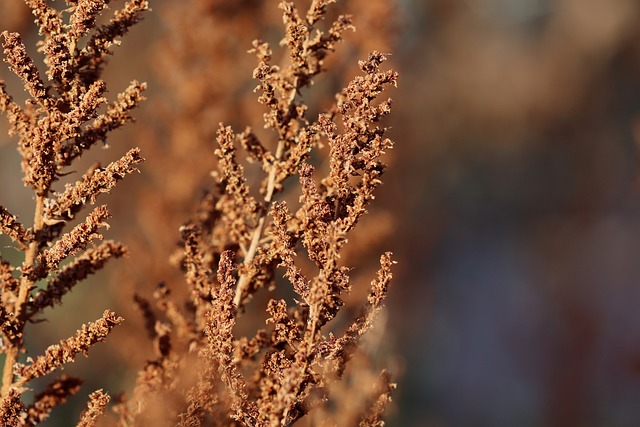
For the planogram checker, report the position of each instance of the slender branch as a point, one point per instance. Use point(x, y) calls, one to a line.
point(243, 280)
point(26, 283)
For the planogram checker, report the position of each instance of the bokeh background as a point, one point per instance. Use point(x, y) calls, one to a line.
point(512, 202)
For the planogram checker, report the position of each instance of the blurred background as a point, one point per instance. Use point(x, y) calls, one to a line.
point(512, 201)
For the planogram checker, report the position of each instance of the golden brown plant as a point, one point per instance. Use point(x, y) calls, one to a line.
point(64, 116)
point(196, 63)
point(271, 248)
point(239, 244)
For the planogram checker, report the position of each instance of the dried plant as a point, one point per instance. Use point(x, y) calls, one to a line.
point(273, 245)
point(64, 116)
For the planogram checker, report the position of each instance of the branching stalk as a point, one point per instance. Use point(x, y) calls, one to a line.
point(26, 284)
point(244, 279)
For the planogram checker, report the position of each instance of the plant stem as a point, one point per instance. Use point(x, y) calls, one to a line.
point(26, 284)
point(243, 280)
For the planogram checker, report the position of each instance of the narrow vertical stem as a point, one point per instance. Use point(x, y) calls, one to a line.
point(243, 280)
point(26, 284)
point(7, 372)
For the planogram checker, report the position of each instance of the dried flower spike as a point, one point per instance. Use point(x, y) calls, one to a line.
point(67, 112)
point(285, 232)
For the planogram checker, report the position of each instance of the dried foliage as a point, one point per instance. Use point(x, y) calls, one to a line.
point(269, 236)
point(65, 115)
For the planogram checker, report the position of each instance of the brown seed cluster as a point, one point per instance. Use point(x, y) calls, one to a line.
point(246, 237)
point(268, 240)
point(66, 113)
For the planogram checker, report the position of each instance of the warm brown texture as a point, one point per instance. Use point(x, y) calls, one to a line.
point(55, 394)
point(66, 351)
point(269, 239)
point(98, 400)
point(62, 118)
point(238, 245)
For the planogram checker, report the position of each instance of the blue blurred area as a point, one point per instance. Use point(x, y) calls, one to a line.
point(522, 233)
point(508, 342)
